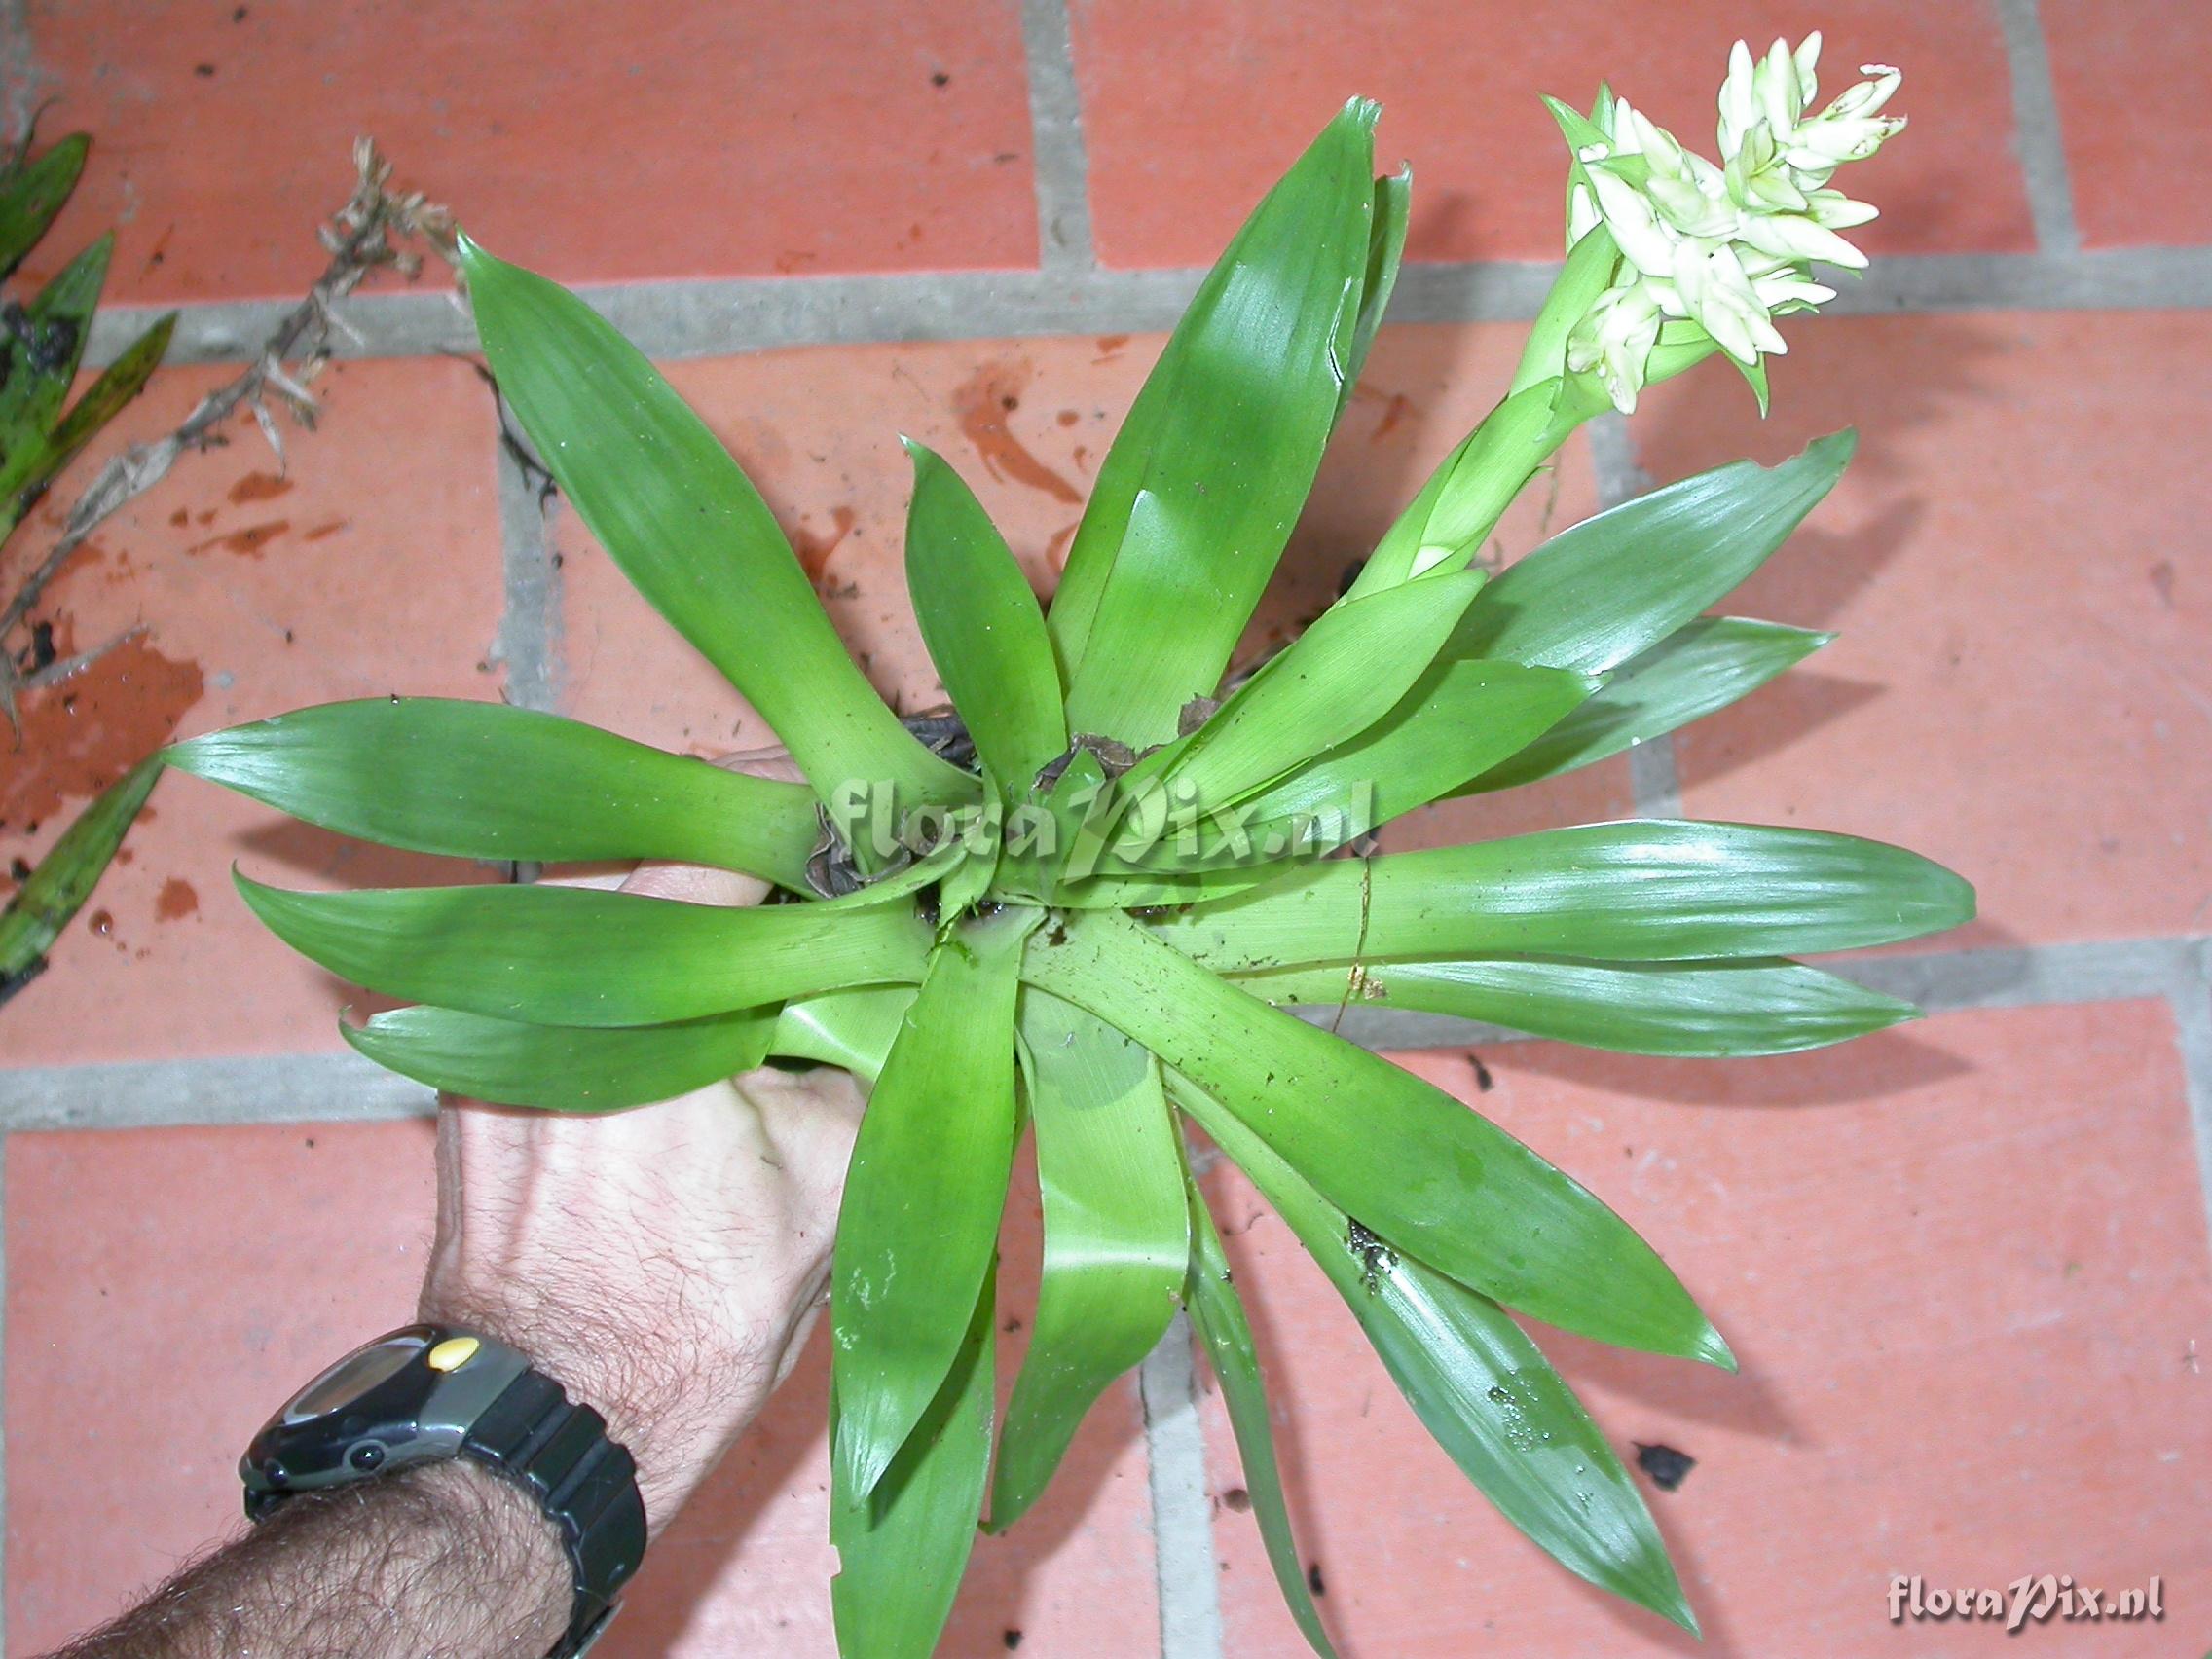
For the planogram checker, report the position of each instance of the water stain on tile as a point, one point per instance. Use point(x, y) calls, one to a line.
point(82, 733)
point(814, 548)
point(981, 403)
point(315, 532)
point(178, 900)
point(259, 487)
point(247, 542)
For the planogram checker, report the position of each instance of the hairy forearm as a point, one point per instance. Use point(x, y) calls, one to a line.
point(443, 1562)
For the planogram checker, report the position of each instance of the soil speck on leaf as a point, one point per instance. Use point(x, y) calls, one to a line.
point(981, 404)
point(176, 900)
point(1666, 1466)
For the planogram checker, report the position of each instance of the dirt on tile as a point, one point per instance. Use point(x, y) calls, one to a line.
point(981, 403)
point(82, 734)
point(178, 900)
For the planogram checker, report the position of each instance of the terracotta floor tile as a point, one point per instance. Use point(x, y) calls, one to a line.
point(1026, 422)
point(1965, 1268)
point(1192, 111)
point(157, 1315)
point(373, 565)
point(2104, 58)
point(2017, 565)
point(603, 146)
point(114, 1241)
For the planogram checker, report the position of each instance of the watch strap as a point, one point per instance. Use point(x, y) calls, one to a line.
point(586, 1482)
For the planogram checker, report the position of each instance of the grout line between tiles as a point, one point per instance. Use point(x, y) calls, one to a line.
point(1182, 1507)
point(2036, 127)
point(2191, 1002)
point(528, 639)
point(726, 316)
point(1057, 158)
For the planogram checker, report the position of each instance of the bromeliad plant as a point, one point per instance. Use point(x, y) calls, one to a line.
point(1082, 903)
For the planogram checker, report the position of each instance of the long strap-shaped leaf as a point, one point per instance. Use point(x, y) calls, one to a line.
point(1386, 249)
point(487, 781)
point(578, 956)
point(35, 466)
point(1701, 666)
point(983, 629)
point(1338, 678)
point(902, 1549)
point(678, 514)
point(1116, 1238)
point(1485, 1391)
point(1641, 890)
point(1755, 1006)
point(32, 195)
point(562, 1068)
point(1218, 1312)
point(1433, 1177)
point(923, 1197)
point(1475, 715)
point(1616, 584)
point(66, 876)
point(853, 1029)
point(40, 358)
point(1199, 491)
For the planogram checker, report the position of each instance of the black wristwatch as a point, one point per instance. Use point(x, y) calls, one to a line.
point(428, 1393)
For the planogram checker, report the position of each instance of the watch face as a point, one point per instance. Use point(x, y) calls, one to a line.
point(353, 1377)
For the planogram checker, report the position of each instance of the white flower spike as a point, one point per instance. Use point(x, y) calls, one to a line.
point(1726, 248)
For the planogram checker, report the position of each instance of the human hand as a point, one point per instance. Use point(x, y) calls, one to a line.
point(664, 1264)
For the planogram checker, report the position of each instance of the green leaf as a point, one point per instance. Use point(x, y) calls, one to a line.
point(1705, 665)
point(562, 1068)
point(1756, 1006)
point(923, 1197)
point(901, 1550)
point(1641, 890)
point(1614, 585)
point(1334, 682)
point(1587, 273)
point(1386, 247)
point(66, 876)
point(679, 515)
point(851, 1029)
point(486, 780)
point(1218, 1313)
point(1415, 1165)
point(1485, 1391)
point(1199, 491)
point(578, 956)
point(1117, 1235)
point(39, 362)
point(1463, 717)
point(983, 629)
point(118, 384)
point(32, 195)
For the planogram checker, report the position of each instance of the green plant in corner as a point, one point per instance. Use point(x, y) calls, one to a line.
point(1084, 906)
